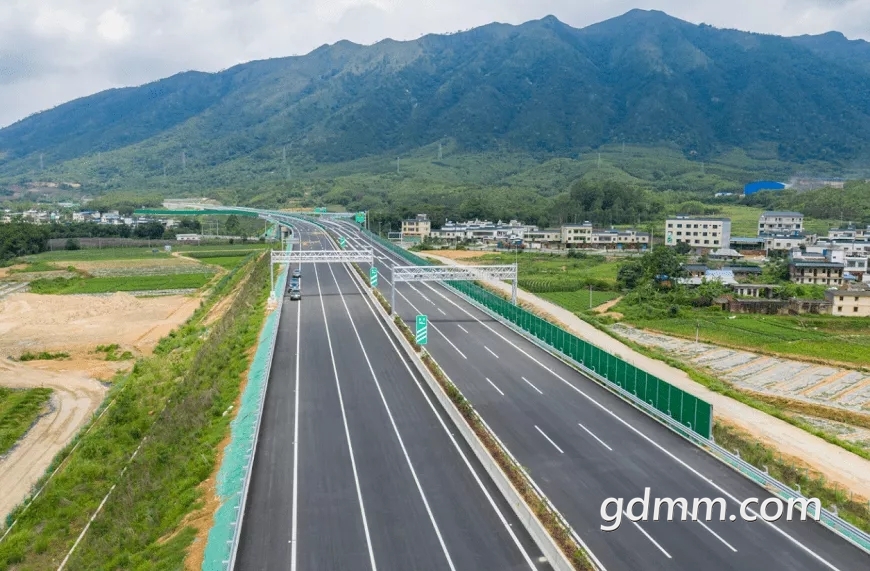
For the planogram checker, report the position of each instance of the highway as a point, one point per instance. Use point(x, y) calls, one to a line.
point(582, 445)
point(356, 466)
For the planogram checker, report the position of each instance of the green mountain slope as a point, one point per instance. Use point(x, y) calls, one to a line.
point(542, 88)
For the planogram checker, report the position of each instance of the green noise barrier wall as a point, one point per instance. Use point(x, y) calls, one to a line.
point(686, 409)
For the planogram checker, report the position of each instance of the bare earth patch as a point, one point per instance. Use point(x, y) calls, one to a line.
point(461, 254)
point(75, 398)
point(73, 324)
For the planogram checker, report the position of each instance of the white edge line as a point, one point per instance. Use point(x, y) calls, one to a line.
point(595, 437)
point(548, 440)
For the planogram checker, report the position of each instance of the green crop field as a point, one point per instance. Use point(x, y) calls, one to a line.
point(539, 273)
point(840, 339)
point(578, 301)
point(19, 409)
point(238, 248)
point(227, 262)
point(95, 254)
point(113, 284)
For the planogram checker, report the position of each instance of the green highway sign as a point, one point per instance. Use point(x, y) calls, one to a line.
point(373, 276)
point(422, 327)
point(360, 218)
point(342, 242)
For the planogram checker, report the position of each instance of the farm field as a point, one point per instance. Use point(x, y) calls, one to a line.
point(821, 338)
point(539, 273)
point(67, 286)
point(19, 409)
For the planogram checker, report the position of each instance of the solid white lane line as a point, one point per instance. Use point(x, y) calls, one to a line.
point(393, 423)
point(491, 352)
point(717, 536)
point(461, 327)
point(595, 437)
point(646, 438)
point(495, 387)
point(548, 440)
point(346, 429)
point(648, 536)
point(531, 385)
point(293, 527)
point(444, 426)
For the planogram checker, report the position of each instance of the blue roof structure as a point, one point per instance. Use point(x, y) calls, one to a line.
point(754, 187)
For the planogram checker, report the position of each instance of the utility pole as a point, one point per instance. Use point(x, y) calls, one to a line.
point(439, 151)
point(164, 174)
point(702, 168)
point(41, 164)
point(284, 155)
point(599, 160)
point(183, 161)
point(623, 147)
point(397, 165)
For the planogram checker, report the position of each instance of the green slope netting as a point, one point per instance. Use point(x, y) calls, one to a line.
point(688, 410)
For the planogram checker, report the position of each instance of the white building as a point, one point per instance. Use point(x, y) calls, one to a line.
point(574, 235)
point(778, 222)
point(698, 232)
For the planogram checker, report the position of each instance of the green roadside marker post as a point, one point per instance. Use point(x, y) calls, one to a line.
point(373, 276)
point(342, 242)
point(422, 326)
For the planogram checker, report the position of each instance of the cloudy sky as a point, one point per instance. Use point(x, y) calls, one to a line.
point(52, 51)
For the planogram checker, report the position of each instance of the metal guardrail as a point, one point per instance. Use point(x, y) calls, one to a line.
point(231, 562)
point(828, 519)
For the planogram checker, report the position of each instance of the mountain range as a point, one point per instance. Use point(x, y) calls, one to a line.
point(542, 88)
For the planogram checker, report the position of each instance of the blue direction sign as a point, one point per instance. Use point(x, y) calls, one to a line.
point(422, 327)
point(373, 276)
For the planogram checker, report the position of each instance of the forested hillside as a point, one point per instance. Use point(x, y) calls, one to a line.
point(542, 89)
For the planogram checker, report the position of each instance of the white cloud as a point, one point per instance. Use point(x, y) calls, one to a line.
point(113, 26)
point(56, 50)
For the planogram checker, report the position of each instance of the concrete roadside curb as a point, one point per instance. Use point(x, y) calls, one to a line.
point(539, 534)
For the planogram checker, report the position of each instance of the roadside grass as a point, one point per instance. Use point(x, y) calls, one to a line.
point(578, 301)
point(19, 409)
point(238, 249)
point(820, 338)
point(174, 405)
point(42, 356)
point(111, 352)
point(113, 284)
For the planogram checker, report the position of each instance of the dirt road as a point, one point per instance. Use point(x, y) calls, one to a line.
point(74, 400)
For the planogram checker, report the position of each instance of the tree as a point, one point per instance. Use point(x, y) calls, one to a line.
point(72, 244)
point(683, 248)
point(232, 226)
point(662, 263)
point(630, 273)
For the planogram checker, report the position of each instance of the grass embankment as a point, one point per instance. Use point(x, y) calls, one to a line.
point(227, 259)
point(578, 301)
point(69, 286)
point(19, 409)
point(820, 338)
point(96, 254)
point(856, 512)
point(175, 405)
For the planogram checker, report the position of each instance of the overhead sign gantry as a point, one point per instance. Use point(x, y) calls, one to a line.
point(453, 273)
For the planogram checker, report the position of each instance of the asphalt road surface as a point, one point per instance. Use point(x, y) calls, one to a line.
point(356, 466)
point(583, 445)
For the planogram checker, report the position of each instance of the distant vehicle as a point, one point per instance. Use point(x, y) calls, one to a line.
point(297, 273)
point(294, 283)
point(295, 294)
